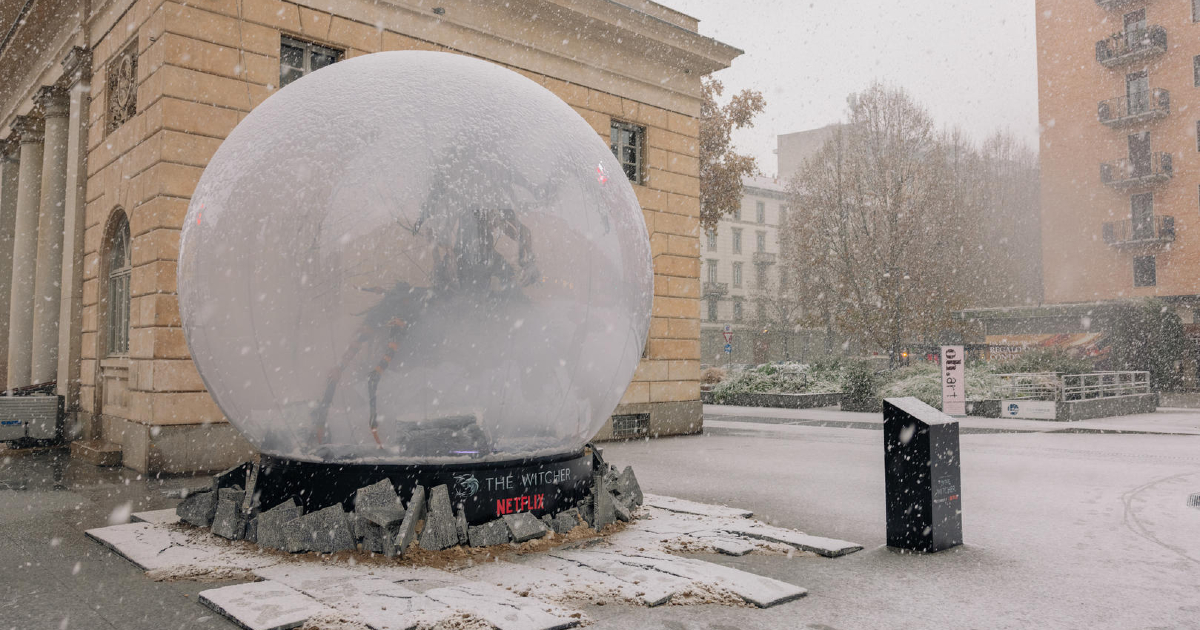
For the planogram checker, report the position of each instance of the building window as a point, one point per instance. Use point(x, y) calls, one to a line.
point(1144, 272)
point(737, 241)
point(1196, 69)
point(712, 240)
point(761, 310)
point(737, 213)
point(121, 83)
point(760, 272)
point(737, 274)
point(118, 261)
point(737, 309)
point(760, 241)
point(626, 142)
point(760, 212)
point(712, 308)
point(298, 58)
point(712, 270)
point(1196, 10)
point(783, 214)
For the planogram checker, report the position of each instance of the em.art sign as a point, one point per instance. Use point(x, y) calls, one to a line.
point(954, 381)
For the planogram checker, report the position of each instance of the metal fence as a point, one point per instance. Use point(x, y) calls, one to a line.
point(1029, 386)
point(1054, 386)
point(1104, 385)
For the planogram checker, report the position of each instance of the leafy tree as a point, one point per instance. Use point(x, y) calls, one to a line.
point(722, 168)
point(1149, 337)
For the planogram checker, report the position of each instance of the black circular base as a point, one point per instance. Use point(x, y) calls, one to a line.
point(485, 491)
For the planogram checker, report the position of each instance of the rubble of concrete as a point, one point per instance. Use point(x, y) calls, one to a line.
point(381, 522)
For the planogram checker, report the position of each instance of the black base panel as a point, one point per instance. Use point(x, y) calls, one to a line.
point(486, 491)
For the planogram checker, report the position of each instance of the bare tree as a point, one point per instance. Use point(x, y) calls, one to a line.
point(877, 232)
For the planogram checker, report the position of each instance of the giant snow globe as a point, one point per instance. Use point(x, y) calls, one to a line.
point(415, 258)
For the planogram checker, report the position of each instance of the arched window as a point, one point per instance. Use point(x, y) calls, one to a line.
point(118, 263)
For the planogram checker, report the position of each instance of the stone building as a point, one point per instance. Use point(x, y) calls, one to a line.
point(746, 287)
point(110, 110)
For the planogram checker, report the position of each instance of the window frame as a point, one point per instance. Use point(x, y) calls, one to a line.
point(737, 274)
point(738, 309)
point(713, 313)
point(712, 240)
point(760, 241)
point(1140, 279)
point(737, 240)
point(760, 212)
point(617, 144)
point(712, 270)
point(309, 48)
point(118, 300)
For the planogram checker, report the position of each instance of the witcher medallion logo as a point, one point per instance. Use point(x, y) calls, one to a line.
point(465, 486)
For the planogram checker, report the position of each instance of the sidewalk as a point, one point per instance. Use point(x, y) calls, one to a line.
point(1167, 420)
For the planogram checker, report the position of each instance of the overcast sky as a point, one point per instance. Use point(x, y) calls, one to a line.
point(972, 63)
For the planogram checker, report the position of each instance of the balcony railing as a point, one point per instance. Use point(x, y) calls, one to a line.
point(1135, 108)
point(1126, 173)
point(764, 258)
point(715, 288)
point(1130, 46)
point(1156, 230)
point(1113, 4)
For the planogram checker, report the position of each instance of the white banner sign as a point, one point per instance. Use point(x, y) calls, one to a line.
point(954, 381)
point(1036, 409)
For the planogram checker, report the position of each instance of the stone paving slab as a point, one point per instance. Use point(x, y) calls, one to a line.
point(151, 546)
point(763, 592)
point(691, 507)
point(647, 594)
point(828, 547)
point(162, 517)
point(656, 585)
point(732, 546)
point(263, 605)
point(505, 610)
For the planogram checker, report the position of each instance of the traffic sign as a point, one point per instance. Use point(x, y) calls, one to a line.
point(728, 336)
point(728, 348)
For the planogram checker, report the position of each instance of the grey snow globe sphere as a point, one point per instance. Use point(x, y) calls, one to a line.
point(415, 258)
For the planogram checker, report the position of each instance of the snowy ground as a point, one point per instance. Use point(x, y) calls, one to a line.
point(1063, 530)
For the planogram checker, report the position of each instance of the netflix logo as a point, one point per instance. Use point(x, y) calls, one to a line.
point(524, 503)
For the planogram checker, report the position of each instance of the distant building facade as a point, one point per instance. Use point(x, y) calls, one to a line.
point(792, 149)
point(745, 285)
point(1118, 103)
point(110, 110)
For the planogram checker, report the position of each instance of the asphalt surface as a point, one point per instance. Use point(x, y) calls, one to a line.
point(1062, 530)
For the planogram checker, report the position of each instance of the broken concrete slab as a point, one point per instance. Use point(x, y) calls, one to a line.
point(828, 547)
point(672, 504)
point(624, 514)
point(252, 530)
point(577, 577)
point(177, 552)
point(164, 517)
point(414, 512)
point(460, 523)
point(603, 510)
point(386, 517)
point(323, 531)
point(628, 487)
point(198, 509)
point(381, 494)
point(270, 524)
point(524, 526)
point(263, 605)
point(488, 534)
point(229, 522)
point(441, 530)
point(763, 592)
point(566, 521)
point(504, 610)
point(732, 546)
point(231, 478)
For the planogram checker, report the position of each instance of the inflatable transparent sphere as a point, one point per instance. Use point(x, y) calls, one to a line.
point(415, 257)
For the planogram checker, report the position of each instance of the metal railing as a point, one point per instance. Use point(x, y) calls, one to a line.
point(1029, 386)
point(715, 288)
point(1134, 108)
point(1130, 46)
point(1125, 173)
point(1104, 385)
point(1149, 231)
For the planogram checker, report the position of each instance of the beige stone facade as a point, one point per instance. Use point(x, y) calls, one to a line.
point(111, 117)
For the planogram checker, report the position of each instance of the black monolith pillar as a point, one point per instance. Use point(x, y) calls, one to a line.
point(923, 483)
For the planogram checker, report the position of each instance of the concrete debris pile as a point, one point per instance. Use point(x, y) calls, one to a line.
point(382, 523)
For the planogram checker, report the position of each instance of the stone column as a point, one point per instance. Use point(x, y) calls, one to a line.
point(9, 178)
point(77, 68)
point(20, 312)
point(47, 291)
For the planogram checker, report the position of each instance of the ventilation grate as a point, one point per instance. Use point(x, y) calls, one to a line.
point(631, 425)
point(1194, 500)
